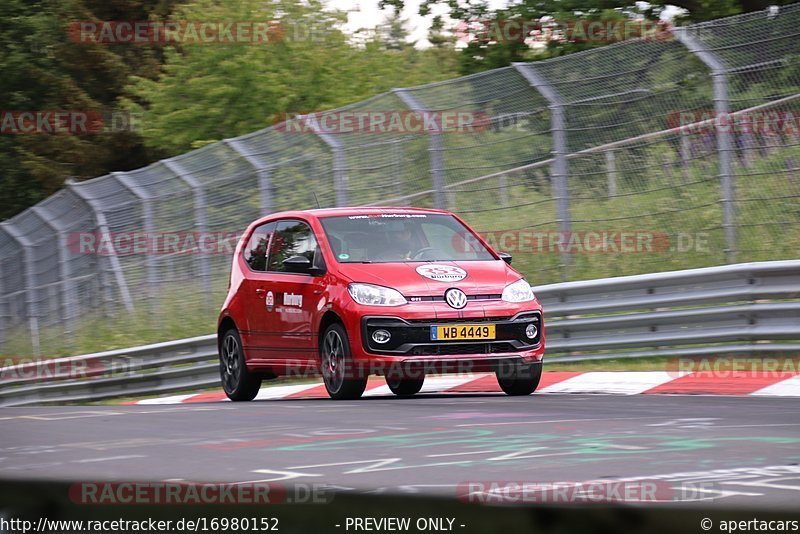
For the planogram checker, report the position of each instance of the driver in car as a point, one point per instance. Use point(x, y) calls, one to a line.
point(401, 243)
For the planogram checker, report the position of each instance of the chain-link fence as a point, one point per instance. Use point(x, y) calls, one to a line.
point(672, 152)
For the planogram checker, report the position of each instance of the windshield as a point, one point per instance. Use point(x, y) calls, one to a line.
point(399, 237)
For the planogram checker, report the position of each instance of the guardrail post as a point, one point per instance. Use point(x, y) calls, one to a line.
point(105, 237)
point(339, 175)
point(435, 149)
point(30, 285)
point(559, 169)
point(262, 171)
point(69, 300)
point(199, 219)
point(719, 75)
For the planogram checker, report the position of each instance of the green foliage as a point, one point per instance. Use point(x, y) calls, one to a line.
point(485, 53)
point(44, 70)
point(210, 92)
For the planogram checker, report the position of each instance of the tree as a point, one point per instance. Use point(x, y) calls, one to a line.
point(484, 52)
point(209, 92)
point(44, 70)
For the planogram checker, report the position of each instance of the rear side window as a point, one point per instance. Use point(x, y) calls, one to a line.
point(292, 238)
point(255, 252)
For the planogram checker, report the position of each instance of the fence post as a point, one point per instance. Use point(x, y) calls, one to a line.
point(611, 170)
point(397, 162)
point(719, 76)
point(339, 175)
point(105, 237)
point(147, 222)
point(435, 149)
point(262, 171)
point(68, 296)
point(559, 170)
point(686, 155)
point(3, 312)
point(30, 285)
point(502, 182)
point(199, 219)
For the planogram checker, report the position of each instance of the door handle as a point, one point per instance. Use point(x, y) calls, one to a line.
point(261, 292)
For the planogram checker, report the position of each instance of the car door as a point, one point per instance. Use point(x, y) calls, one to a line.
point(297, 295)
point(255, 291)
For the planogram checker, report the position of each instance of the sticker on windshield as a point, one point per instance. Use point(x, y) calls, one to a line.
point(442, 273)
point(389, 216)
point(344, 256)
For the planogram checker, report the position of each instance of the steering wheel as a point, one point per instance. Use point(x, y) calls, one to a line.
point(418, 255)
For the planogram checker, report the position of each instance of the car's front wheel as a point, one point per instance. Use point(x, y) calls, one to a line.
point(342, 379)
point(239, 383)
point(520, 379)
point(404, 387)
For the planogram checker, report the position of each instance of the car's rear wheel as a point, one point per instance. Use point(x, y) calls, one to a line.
point(239, 383)
point(520, 379)
point(403, 387)
point(342, 380)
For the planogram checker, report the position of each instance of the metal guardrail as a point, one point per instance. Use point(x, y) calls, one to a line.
point(733, 309)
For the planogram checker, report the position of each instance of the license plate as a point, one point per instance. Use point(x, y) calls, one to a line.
point(462, 331)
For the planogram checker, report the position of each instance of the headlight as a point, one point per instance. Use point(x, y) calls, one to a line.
point(375, 295)
point(519, 291)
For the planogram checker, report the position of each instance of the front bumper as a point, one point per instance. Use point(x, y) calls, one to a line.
point(411, 338)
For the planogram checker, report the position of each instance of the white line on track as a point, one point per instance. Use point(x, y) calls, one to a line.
point(109, 459)
point(508, 423)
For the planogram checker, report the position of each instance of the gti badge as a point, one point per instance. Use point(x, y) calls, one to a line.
point(455, 298)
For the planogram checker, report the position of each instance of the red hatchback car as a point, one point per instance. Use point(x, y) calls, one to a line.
point(353, 292)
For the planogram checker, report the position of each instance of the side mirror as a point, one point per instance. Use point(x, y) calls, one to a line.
point(301, 264)
point(505, 256)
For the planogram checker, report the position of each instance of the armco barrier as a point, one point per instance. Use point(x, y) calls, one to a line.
point(746, 308)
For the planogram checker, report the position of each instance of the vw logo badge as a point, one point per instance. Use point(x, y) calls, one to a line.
point(455, 298)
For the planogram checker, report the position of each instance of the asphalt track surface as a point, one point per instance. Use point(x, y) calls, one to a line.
point(718, 451)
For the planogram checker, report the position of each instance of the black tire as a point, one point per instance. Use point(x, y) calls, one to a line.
point(342, 380)
point(404, 387)
point(520, 379)
point(239, 383)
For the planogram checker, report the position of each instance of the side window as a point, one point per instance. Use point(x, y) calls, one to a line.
point(255, 252)
point(292, 238)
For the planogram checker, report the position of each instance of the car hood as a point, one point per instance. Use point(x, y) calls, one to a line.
point(482, 277)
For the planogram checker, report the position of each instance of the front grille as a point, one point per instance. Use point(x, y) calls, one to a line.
point(461, 348)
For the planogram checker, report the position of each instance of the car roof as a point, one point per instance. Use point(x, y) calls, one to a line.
point(368, 210)
point(332, 212)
